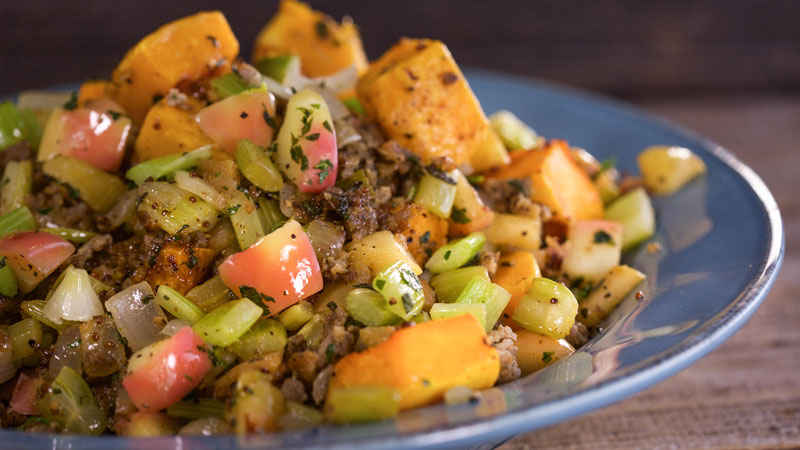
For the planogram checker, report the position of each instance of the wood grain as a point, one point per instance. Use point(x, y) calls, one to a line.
point(746, 394)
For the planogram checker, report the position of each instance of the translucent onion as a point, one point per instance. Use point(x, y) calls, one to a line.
point(326, 238)
point(173, 326)
point(200, 188)
point(137, 315)
point(74, 299)
point(7, 367)
point(124, 209)
point(66, 352)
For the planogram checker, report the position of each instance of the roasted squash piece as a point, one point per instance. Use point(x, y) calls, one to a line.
point(323, 45)
point(421, 99)
point(180, 267)
point(93, 90)
point(556, 181)
point(422, 362)
point(169, 129)
point(192, 48)
point(515, 273)
point(423, 231)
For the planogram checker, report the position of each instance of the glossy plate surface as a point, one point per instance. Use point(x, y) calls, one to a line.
point(722, 243)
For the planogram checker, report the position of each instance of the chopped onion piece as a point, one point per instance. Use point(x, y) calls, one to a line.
point(337, 108)
point(173, 326)
point(7, 367)
point(200, 188)
point(138, 317)
point(66, 351)
point(122, 210)
point(74, 299)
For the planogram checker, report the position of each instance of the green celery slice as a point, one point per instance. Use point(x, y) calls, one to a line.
point(166, 165)
point(369, 308)
point(635, 212)
point(448, 285)
point(456, 253)
point(19, 219)
point(227, 323)
point(447, 310)
point(401, 288)
point(255, 165)
point(436, 195)
point(178, 305)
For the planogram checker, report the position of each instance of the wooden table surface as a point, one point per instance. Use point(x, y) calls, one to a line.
point(745, 394)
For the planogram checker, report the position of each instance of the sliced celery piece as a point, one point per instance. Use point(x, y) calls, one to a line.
point(265, 336)
point(70, 402)
point(35, 310)
point(19, 219)
point(401, 288)
point(166, 165)
point(246, 220)
point(606, 185)
point(197, 408)
point(16, 185)
point(635, 212)
point(228, 85)
point(271, 215)
point(178, 305)
point(369, 308)
point(18, 125)
point(100, 190)
point(299, 416)
point(448, 285)
point(548, 308)
point(227, 323)
point(422, 317)
point(175, 210)
point(448, 310)
point(210, 294)
point(372, 336)
point(436, 195)
point(255, 165)
point(297, 315)
point(71, 234)
point(514, 133)
point(8, 281)
point(312, 330)
point(456, 253)
point(277, 67)
point(361, 404)
point(493, 296)
point(26, 337)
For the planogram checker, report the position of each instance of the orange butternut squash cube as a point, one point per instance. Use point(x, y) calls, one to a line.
point(192, 48)
point(556, 181)
point(420, 98)
point(169, 129)
point(93, 90)
point(323, 45)
point(180, 267)
point(422, 362)
point(423, 231)
point(515, 273)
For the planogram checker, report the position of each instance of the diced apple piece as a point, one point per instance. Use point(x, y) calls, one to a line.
point(97, 137)
point(248, 115)
point(593, 248)
point(635, 212)
point(280, 269)
point(667, 169)
point(33, 256)
point(164, 372)
point(307, 151)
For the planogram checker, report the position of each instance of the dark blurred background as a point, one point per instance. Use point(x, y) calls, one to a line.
point(625, 48)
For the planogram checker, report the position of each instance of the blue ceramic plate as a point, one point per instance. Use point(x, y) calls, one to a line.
point(722, 243)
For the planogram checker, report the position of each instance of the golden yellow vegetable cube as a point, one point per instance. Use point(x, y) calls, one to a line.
point(424, 361)
point(421, 99)
point(323, 45)
point(192, 48)
point(169, 129)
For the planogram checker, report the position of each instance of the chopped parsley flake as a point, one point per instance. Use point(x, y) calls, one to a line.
point(231, 210)
point(72, 103)
point(324, 168)
point(327, 126)
point(459, 215)
point(447, 255)
point(601, 237)
point(380, 284)
point(408, 302)
point(547, 357)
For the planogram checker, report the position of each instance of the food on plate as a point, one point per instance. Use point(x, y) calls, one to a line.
point(202, 245)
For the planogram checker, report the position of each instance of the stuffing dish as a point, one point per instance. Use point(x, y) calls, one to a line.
point(204, 245)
